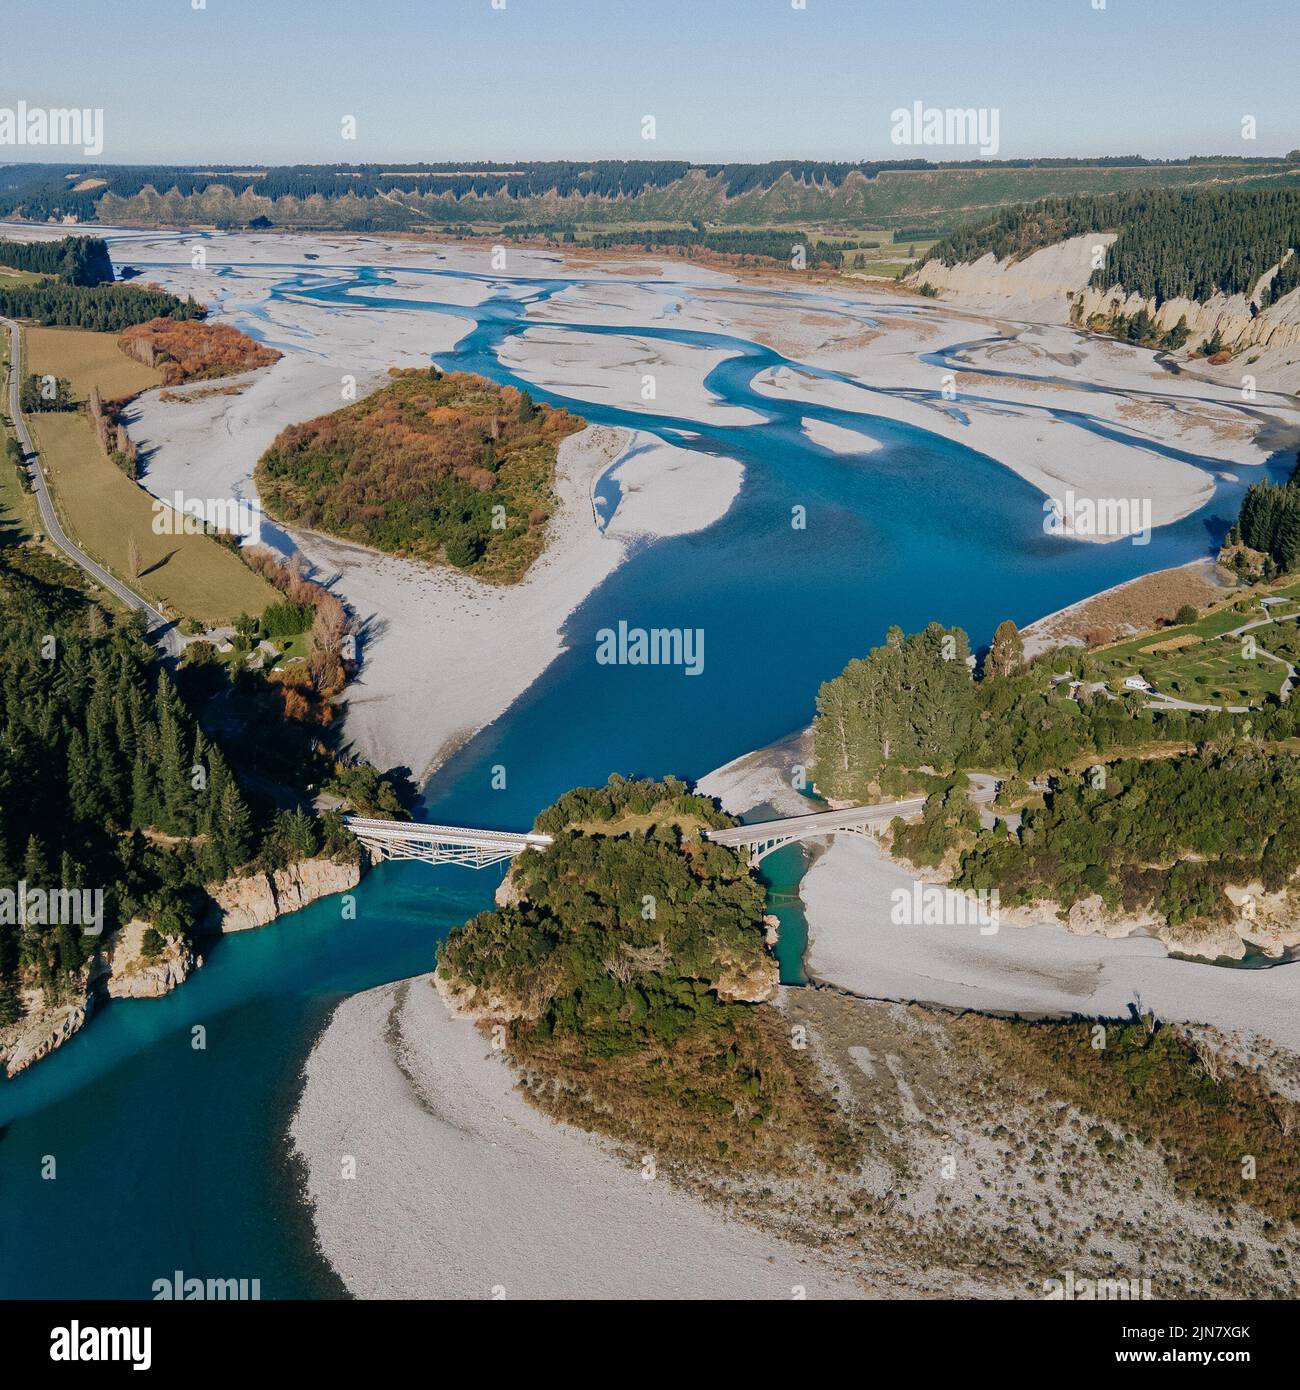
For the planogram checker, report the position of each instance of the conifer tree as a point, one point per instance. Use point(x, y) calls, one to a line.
point(233, 827)
point(85, 799)
point(36, 867)
point(177, 805)
point(143, 795)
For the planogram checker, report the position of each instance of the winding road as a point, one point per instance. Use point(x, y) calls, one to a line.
point(157, 624)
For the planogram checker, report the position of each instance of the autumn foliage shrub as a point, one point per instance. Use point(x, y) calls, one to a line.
point(306, 688)
point(446, 469)
point(190, 350)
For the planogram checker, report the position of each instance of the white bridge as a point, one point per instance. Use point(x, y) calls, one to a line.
point(457, 844)
point(766, 837)
point(441, 844)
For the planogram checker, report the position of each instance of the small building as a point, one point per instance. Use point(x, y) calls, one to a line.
point(1136, 683)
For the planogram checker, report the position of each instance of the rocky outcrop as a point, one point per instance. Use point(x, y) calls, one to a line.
point(41, 1030)
point(1264, 922)
point(1268, 921)
point(749, 981)
point(125, 972)
point(509, 893)
point(471, 1002)
point(256, 899)
point(1233, 319)
point(119, 969)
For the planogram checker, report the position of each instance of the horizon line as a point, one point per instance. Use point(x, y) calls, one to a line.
point(406, 165)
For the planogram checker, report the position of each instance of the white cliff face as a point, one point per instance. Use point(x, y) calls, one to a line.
point(1038, 287)
point(255, 900)
point(1230, 316)
point(1051, 286)
point(1267, 922)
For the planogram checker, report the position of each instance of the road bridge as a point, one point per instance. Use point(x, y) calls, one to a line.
point(458, 844)
point(766, 837)
point(442, 844)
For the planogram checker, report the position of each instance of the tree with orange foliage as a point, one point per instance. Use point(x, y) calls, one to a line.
point(191, 350)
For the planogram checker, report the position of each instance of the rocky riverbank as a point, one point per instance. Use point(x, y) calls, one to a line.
point(119, 969)
point(253, 900)
point(122, 968)
point(1052, 286)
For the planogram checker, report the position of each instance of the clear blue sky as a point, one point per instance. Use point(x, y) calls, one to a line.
point(269, 81)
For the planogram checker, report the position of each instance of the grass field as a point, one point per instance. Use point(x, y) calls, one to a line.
point(887, 259)
point(1282, 638)
point(10, 276)
point(890, 258)
point(1217, 672)
point(1201, 663)
point(1136, 651)
point(889, 270)
point(86, 359)
point(17, 508)
point(102, 509)
point(637, 824)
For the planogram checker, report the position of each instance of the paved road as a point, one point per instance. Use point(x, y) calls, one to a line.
point(982, 790)
point(1159, 701)
point(159, 626)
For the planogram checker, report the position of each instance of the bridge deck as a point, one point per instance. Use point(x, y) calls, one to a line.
point(419, 832)
point(805, 826)
point(459, 844)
